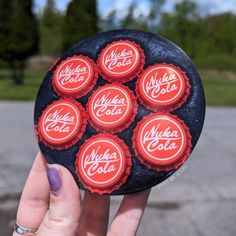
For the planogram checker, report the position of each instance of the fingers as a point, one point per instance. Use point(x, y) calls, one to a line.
point(63, 215)
point(34, 200)
point(95, 215)
point(129, 215)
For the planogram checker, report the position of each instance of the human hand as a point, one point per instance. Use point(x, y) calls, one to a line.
point(55, 209)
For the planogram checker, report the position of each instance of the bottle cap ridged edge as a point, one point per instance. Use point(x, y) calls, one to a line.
point(86, 90)
point(126, 171)
point(76, 138)
point(127, 123)
point(160, 168)
point(167, 108)
point(132, 75)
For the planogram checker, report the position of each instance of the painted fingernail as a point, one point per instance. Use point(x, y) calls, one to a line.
point(54, 179)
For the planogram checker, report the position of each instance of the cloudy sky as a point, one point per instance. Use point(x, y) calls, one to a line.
point(105, 6)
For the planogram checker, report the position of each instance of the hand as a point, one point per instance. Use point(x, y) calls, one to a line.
point(56, 208)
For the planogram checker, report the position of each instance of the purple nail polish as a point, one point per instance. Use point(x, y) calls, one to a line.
point(54, 178)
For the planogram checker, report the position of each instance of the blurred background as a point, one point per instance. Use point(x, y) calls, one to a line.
point(199, 200)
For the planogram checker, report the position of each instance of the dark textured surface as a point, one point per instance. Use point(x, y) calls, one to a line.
point(157, 50)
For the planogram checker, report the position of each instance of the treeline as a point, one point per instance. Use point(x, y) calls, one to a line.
point(209, 40)
point(60, 30)
point(19, 37)
point(23, 34)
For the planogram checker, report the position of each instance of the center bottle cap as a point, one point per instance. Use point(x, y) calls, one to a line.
point(162, 142)
point(121, 61)
point(62, 123)
point(103, 163)
point(75, 76)
point(112, 108)
point(163, 87)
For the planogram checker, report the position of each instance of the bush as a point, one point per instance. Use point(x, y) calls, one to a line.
point(217, 62)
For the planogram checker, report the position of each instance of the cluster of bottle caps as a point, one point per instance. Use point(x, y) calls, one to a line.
point(160, 140)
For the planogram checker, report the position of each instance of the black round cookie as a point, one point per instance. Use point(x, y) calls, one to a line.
point(157, 50)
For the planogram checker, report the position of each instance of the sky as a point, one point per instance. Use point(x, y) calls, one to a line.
point(105, 6)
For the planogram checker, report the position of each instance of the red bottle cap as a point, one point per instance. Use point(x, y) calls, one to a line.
point(112, 108)
point(103, 163)
point(121, 61)
point(162, 142)
point(75, 76)
point(163, 87)
point(62, 123)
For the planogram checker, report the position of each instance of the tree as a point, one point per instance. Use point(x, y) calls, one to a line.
point(129, 20)
point(51, 30)
point(134, 22)
point(155, 14)
point(5, 29)
point(22, 36)
point(110, 22)
point(221, 29)
point(80, 21)
point(180, 26)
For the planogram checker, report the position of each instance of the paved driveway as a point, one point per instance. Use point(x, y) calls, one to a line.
point(199, 200)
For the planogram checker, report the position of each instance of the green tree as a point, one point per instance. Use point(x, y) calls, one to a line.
point(129, 20)
point(216, 41)
point(221, 31)
point(155, 14)
point(134, 22)
point(51, 30)
point(22, 37)
point(110, 22)
point(80, 21)
point(6, 7)
point(180, 26)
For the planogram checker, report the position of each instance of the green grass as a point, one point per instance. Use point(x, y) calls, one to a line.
point(28, 91)
point(219, 86)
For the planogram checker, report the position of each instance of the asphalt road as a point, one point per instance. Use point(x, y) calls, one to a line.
point(199, 200)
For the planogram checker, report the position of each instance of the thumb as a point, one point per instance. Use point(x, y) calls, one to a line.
point(62, 218)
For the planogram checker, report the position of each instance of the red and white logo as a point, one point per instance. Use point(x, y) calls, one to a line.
point(161, 85)
point(161, 139)
point(119, 59)
point(110, 106)
point(73, 75)
point(60, 122)
point(101, 162)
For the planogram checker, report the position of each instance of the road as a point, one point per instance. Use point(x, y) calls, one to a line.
point(199, 200)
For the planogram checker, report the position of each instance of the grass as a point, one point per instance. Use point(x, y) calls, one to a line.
point(28, 91)
point(219, 86)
